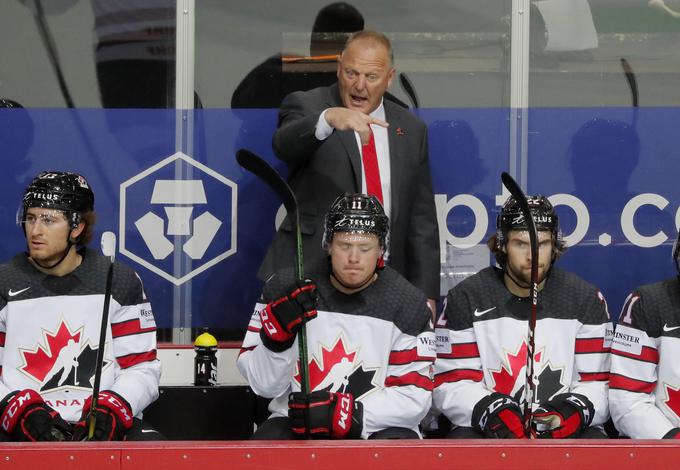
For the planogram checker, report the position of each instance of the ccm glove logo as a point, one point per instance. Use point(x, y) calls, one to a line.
point(272, 327)
point(17, 405)
point(344, 411)
point(325, 414)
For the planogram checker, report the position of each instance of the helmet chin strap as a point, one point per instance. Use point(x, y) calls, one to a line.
point(359, 287)
point(63, 257)
point(519, 284)
point(69, 244)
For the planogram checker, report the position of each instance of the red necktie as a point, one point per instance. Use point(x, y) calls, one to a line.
point(371, 170)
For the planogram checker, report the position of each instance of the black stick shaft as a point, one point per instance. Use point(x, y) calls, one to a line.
point(632, 84)
point(260, 168)
point(409, 89)
point(48, 42)
point(530, 388)
point(92, 417)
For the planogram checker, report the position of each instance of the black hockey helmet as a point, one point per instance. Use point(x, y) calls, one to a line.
point(511, 218)
point(59, 190)
point(356, 213)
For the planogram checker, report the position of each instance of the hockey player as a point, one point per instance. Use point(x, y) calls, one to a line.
point(369, 333)
point(51, 300)
point(644, 384)
point(480, 372)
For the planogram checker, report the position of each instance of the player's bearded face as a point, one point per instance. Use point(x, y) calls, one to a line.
point(518, 249)
point(47, 232)
point(354, 257)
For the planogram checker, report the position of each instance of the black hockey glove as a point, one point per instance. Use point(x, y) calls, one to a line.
point(282, 317)
point(498, 416)
point(566, 415)
point(672, 434)
point(113, 418)
point(334, 415)
point(26, 417)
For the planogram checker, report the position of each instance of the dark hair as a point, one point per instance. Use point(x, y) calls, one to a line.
point(85, 236)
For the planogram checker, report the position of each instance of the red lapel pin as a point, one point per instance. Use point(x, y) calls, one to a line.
point(400, 131)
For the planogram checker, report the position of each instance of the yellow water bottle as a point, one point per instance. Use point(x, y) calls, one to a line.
point(205, 362)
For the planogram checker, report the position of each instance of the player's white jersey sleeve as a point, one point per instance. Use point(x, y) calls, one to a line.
point(459, 377)
point(406, 396)
point(268, 373)
point(592, 355)
point(138, 371)
point(4, 390)
point(133, 335)
point(591, 368)
point(635, 382)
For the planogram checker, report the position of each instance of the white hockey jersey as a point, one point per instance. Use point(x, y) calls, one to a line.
point(644, 389)
point(482, 344)
point(377, 344)
point(49, 334)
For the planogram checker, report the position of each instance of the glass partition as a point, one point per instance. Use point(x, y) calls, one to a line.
point(96, 80)
point(603, 98)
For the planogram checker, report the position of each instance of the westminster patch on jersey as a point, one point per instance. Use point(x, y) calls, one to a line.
point(61, 359)
point(427, 344)
point(628, 340)
point(339, 369)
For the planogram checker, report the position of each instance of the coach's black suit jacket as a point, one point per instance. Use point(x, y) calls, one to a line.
point(320, 171)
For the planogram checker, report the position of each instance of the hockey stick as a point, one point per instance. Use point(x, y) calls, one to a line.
point(269, 175)
point(632, 83)
point(409, 89)
point(51, 48)
point(530, 388)
point(52, 54)
point(108, 249)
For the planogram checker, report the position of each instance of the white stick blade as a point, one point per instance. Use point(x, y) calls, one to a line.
point(109, 244)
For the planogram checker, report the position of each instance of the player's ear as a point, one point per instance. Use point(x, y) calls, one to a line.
point(75, 233)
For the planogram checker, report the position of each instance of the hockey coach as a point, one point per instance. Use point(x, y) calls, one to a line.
point(368, 331)
point(347, 138)
point(480, 374)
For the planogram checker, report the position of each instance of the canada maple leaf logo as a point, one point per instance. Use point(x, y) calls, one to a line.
point(39, 362)
point(332, 370)
point(505, 378)
point(673, 399)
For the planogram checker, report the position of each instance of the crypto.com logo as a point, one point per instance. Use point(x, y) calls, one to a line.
point(173, 224)
point(626, 220)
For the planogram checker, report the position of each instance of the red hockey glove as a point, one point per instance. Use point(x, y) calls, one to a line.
point(334, 415)
point(498, 416)
point(672, 434)
point(26, 417)
point(113, 418)
point(566, 415)
point(282, 317)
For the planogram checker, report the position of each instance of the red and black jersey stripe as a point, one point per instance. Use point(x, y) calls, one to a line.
point(129, 327)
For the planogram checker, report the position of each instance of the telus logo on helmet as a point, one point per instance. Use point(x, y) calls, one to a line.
point(355, 222)
point(44, 196)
